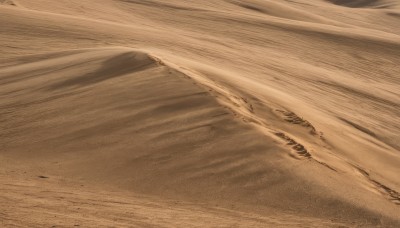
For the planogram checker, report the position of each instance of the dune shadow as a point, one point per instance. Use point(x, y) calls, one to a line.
point(114, 67)
point(359, 3)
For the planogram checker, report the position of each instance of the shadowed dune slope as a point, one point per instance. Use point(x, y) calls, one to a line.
point(364, 3)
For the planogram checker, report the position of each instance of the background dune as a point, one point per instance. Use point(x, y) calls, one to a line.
point(199, 113)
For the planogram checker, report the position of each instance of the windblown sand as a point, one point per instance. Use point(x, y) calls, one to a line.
point(211, 113)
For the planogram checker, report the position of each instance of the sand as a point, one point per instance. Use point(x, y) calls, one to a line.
point(228, 113)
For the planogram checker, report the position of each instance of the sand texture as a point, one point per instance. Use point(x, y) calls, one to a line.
point(211, 113)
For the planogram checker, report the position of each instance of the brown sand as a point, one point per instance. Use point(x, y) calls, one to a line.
point(246, 113)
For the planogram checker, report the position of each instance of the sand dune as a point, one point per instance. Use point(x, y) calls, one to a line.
point(242, 113)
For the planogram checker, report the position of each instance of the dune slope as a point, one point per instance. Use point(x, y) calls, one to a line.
point(231, 113)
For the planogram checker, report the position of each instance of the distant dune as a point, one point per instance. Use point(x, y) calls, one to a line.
point(228, 113)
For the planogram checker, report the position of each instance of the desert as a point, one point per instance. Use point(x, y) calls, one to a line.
point(187, 113)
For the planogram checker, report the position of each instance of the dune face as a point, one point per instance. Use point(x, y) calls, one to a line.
point(228, 113)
